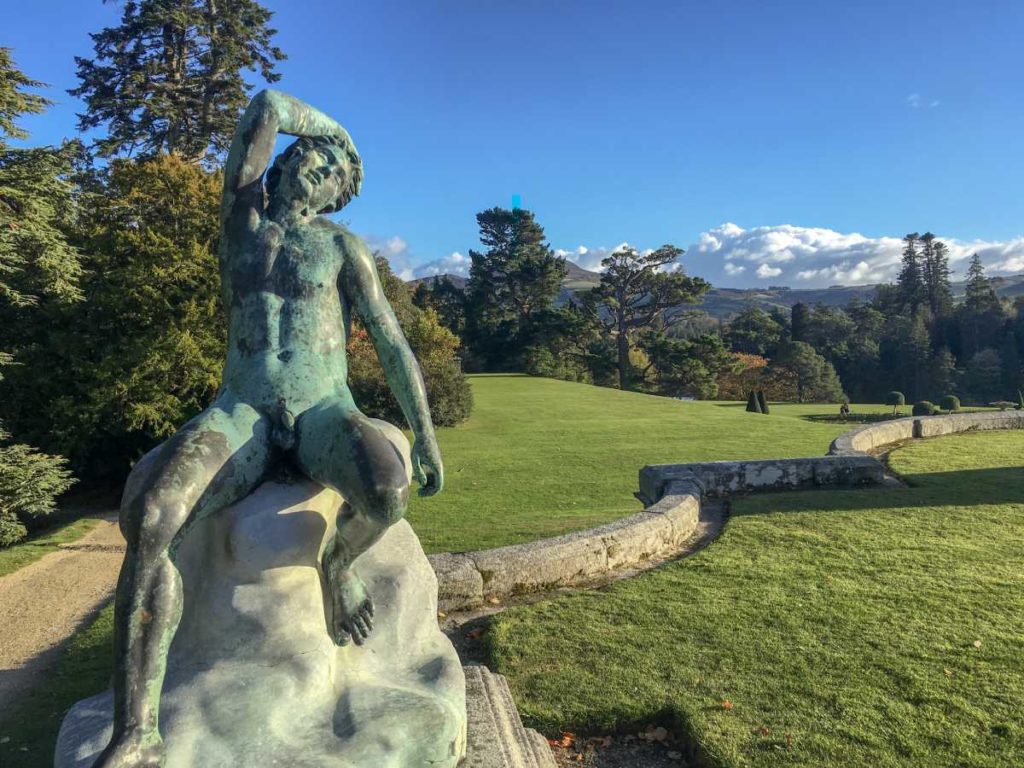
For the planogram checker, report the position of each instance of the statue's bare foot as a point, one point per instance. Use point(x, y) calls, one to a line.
point(132, 750)
point(350, 609)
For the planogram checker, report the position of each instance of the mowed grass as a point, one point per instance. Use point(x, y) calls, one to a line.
point(19, 555)
point(826, 628)
point(541, 457)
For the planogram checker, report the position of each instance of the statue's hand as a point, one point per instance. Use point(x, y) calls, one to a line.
point(427, 468)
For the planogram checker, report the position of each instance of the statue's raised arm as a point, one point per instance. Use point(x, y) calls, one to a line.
point(268, 114)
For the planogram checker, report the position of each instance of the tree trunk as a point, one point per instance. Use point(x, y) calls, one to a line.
point(623, 345)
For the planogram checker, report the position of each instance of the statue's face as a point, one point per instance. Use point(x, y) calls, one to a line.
point(316, 177)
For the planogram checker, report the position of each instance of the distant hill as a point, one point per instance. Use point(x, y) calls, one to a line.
point(725, 303)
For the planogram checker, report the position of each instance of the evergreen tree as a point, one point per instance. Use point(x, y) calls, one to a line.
point(935, 257)
point(910, 282)
point(445, 298)
point(981, 314)
point(36, 264)
point(511, 286)
point(816, 379)
point(799, 316)
point(169, 78)
point(754, 332)
point(635, 296)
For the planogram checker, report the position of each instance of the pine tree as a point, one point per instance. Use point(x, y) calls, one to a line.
point(936, 276)
point(910, 281)
point(635, 295)
point(36, 263)
point(511, 286)
point(169, 77)
point(981, 314)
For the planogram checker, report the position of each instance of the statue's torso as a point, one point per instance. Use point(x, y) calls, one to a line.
point(286, 317)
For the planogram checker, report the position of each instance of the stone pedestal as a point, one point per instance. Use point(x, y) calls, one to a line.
point(253, 678)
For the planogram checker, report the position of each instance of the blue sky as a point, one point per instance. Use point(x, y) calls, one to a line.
point(778, 142)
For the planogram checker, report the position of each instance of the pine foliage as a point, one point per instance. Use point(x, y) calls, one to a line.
point(169, 77)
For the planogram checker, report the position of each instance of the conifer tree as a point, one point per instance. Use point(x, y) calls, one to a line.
point(935, 258)
point(511, 286)
point(635, 295)
point(36, 262)
point(910, 281)
point(169, 78)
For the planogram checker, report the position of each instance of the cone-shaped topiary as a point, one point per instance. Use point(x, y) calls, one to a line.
point(762, 401)
point(752, 405)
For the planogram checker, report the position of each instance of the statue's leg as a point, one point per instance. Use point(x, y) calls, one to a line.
point(214, 460)
point(343, 449)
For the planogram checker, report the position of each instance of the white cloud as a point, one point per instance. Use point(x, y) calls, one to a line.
point(917, 101)
point(814, 257)
point(452, 264)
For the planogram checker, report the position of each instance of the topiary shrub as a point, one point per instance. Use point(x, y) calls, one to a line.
point(896, 400)
point(753, 406)
point(925, 408)
point(762, 401)
point(1020, 401)
point(950, 403)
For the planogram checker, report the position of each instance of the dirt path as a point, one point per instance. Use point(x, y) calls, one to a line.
point(43, 604)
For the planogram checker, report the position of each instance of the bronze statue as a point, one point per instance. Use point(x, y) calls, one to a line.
point(291, 279)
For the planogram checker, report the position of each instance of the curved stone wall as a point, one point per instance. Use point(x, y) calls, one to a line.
point(874, 436)
point(673, 493)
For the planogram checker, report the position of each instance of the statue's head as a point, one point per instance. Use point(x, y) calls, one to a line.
point(322, 172)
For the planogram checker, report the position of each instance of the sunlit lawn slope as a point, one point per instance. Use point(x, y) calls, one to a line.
point(826, 628)
point(541, 457)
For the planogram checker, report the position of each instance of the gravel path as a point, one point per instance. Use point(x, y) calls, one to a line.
point(43, 604)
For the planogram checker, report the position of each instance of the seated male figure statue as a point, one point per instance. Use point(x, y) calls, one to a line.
point(290, 279)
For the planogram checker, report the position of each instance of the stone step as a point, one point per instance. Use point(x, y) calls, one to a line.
point(497, 738)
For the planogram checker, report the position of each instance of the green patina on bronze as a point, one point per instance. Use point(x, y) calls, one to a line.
point(291, 280)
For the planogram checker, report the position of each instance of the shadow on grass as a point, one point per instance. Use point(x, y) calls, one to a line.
point(959, 488)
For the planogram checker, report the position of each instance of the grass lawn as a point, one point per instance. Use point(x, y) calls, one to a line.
point(28, 551)
point(825, 628)
point(540, 457)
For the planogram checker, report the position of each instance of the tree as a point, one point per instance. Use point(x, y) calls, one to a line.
point(36, 263)
point(984, 376)
point(436, 349)
point(799, 321)
point(754, 332)
point(635, 295)
point(143, 352)
point(169, 77)
point(684, 366)
point(445, 298)
point(935, 269)
point(981, 314)
point(816, 379)
point(510, 287)
point(910, 281)
point(896, 400)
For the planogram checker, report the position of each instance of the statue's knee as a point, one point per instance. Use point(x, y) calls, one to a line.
point(389, 501)
point(151, 522)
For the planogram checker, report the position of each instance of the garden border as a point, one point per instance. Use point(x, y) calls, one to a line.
point(672, 494)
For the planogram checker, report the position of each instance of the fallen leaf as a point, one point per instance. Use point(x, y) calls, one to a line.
point(763, 731)
point(948, 672)
point(726, 704)
point(442, 615)
point(976, 643)
point(789, 741)
point(493, 600)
